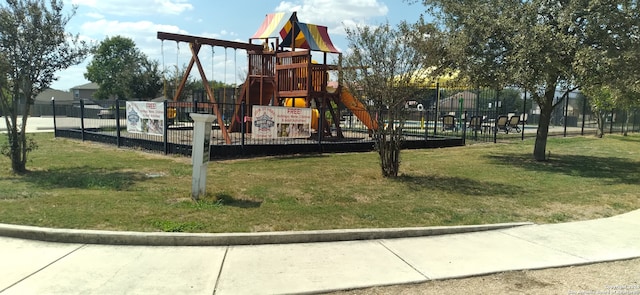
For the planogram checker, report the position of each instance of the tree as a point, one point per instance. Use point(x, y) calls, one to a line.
point(122, 71)
point(610, 75)
point(384, 68)
point(538, 45)
point(148, 80)
point(604, 100)
point(602, 104)
point(33, 47)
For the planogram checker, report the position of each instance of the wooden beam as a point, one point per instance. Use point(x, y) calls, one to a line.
point(195, 48)
point(208, 41)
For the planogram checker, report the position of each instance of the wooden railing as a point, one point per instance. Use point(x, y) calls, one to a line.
point(293, 75)
point(262, 65)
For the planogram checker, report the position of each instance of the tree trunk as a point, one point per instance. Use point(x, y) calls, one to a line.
point(546, 108)
point(15, 150)
point(18, 144)
point(600, 119)
point(540, 148)
point(389, 158)
point(625, 126)
point(388, 146)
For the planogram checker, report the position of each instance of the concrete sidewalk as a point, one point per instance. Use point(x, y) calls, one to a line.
point(46, 124)
point(38, 267)
point(34, 124)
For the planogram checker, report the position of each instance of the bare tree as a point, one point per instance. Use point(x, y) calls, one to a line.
point(383, 68)
point(33, 47)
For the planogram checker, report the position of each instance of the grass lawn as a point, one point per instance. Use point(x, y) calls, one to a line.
point(92, 186)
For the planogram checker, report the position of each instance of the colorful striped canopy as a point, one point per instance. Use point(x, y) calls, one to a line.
point(307, 36)
point(273, 24)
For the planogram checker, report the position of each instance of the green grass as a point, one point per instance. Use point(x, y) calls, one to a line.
point(86, 185)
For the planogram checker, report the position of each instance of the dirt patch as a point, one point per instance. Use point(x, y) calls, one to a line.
point(619, 277)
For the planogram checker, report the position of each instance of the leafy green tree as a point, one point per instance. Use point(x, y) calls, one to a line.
point(607, 99)
point(384, 67)
point(148, 80)
point(539, 45)
point(609, 72)
point(512, 101)
point(122, 71)
point(629, 103)
point(601, 99)
point(33, 47)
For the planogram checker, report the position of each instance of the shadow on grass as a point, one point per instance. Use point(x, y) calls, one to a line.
point(615, 170)
point(463, 186)
point(297, 157)
point(228, 200)
point(630, 139)
point(83, 178)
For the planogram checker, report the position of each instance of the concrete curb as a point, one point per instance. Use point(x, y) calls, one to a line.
point(225, 239)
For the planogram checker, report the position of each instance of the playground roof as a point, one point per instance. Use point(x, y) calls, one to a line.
point(307, 36)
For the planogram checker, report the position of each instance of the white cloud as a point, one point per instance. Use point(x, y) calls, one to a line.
point(136, 8)
point(95, 15)
point(335, 14)
point(134, 30)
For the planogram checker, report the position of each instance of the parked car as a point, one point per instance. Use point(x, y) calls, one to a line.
point(106, 114)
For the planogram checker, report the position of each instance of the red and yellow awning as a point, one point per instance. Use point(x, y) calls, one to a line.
point(307, 36)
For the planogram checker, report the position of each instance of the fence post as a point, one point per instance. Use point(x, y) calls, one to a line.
point(623, 123)
point(243, 126)
point(82, 118)
point(495, 117)
point(118, 140)
point(584, 113)
point(437, 114)
point(53, 107)
point(435, 122)
point(165, 129)
point(524, 114)
point(566, 114)
point(464, 129)
point(611, 123)
point(320, 127)
point(426, 122)
point(495, 129)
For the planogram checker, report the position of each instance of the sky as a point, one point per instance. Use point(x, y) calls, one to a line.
point(235, 20)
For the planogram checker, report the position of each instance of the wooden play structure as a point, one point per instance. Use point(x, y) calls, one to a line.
point(281, 72)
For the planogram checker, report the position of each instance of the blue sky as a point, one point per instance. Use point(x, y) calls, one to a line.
point(235, 20)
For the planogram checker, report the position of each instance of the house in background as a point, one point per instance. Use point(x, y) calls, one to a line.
point(42, 103)
point(61, 97)
point(84, 91)
point(465, 100)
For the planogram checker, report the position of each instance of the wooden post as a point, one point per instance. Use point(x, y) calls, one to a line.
point(195, 48)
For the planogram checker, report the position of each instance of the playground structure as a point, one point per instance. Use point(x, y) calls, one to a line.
point(281, 72)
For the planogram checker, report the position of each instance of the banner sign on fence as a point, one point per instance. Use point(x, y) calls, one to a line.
point(281, 122)
point(145, 117)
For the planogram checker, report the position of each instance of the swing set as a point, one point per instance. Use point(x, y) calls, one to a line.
point(195, 45)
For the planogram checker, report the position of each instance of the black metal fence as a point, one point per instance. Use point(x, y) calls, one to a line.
point(231, 133)
point(436, 117)
point(480, 109)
